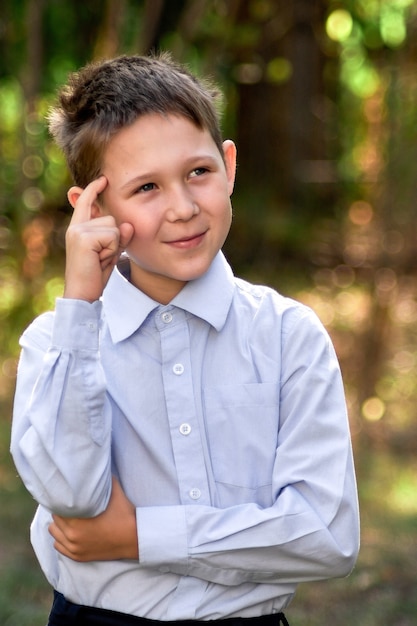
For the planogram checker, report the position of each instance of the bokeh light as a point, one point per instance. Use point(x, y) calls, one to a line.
point(339, 25)
point(373, 409)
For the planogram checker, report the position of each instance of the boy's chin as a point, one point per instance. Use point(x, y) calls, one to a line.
point(172, 279)
point(192, 274)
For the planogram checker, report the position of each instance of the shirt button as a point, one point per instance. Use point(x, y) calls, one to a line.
point(185, 429)
point(166, 317)
point(195, 493)
point(91, 326)
point(178, 369)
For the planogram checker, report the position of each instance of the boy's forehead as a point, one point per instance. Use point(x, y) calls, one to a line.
point(172, 130)
point(155, 140)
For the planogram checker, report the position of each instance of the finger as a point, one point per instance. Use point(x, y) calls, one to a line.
point(62, 545)
point(56, 533)
point(83, 200)
point(110, 254)
point(59, 525)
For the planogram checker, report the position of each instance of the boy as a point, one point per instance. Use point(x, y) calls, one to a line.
point(183, 431)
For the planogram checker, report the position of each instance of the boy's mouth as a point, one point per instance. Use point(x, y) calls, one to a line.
point(188, 242)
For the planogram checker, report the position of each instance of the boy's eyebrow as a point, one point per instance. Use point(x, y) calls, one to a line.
point(137, 180)
point(149, 176)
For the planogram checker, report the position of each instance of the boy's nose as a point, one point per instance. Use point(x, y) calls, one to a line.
point(181, 205)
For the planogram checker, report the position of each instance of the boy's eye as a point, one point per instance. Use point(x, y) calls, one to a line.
point(198, 171)
point(147, 187)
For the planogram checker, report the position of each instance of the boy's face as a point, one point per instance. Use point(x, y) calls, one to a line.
point(167, 178)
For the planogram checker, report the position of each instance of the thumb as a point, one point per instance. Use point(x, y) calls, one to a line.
point(118, 495)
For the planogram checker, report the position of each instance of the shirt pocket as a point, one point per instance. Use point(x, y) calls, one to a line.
point(242, 428)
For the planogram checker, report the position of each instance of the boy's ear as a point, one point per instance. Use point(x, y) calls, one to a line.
point(74, 193)
point(229, 153)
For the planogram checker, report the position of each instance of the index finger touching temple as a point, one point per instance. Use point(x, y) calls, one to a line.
point(82, 200)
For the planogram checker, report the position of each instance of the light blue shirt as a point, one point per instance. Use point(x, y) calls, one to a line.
point(222, 415)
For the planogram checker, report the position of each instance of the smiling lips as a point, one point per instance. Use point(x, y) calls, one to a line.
point(188, 242)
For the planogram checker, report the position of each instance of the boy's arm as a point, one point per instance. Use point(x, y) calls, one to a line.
point(61, 428)
point(60, 410)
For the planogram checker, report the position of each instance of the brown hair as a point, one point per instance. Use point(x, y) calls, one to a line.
point(104, 97)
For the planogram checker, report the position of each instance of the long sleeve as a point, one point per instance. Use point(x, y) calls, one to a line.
point(311, 529)
point(61, 426)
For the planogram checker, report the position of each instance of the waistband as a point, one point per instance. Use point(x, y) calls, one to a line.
point(66, 613)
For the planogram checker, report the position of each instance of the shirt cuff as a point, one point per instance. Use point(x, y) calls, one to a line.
point(162, 538)
point(76, 324)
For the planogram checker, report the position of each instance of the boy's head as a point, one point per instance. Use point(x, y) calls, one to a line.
point(104, 97)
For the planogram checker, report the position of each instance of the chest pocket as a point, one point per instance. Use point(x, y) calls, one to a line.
point(242, 427)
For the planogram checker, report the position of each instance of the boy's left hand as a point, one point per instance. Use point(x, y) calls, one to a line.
point(108, 537)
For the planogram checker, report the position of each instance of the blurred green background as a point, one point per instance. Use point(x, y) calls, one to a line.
point(320, 97)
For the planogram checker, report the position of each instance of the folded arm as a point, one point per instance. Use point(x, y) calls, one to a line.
point(60, 400)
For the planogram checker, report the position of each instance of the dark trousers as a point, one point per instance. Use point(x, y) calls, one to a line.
point(65, 613)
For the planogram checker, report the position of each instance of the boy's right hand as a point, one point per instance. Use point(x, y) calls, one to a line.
point(94, 243)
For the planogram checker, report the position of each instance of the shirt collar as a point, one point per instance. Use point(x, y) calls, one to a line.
point(208, 297)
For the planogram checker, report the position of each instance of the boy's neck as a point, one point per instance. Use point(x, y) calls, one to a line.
point(160, 288)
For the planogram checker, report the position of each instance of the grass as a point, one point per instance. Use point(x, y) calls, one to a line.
point(381, 589)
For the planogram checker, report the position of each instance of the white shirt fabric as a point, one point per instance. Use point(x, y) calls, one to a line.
point(223, 416)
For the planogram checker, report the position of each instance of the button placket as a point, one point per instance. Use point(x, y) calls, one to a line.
point(181, 410)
